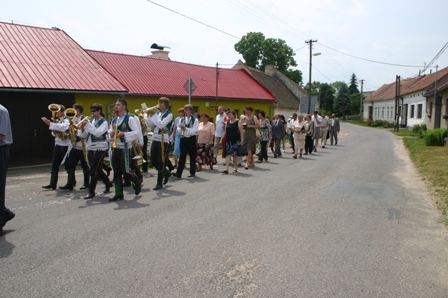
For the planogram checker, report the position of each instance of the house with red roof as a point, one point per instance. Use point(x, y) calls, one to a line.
point(149, 77)
point(40, 66)
point(414, 107)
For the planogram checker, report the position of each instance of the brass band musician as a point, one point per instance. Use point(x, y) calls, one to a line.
point(162, 121)
point(95, 132)
point(59, 128)
point(124, 130)
point(77, 153)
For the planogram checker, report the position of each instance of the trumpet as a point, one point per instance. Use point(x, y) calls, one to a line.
point(82, 122)
point(151, 110)
point(114, 143)
point(70, 113)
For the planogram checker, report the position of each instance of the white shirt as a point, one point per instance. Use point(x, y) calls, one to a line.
point(159, 123)
point(324, 123)
point(219, 125)
point(190, 131)
point(62, 127)
point(91, 128)
point(129, 136)
point(315, 122)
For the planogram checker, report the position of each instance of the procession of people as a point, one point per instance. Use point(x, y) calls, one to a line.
point(90, 140)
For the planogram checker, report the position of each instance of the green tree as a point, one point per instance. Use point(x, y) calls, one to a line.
point(295, 75)
point(353, 87)
point(354, 103)
point(258, 51)
point(315, 86)
point(341, 104)
point(326, 97)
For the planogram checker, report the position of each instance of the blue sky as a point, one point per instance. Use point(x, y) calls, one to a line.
point(399, 32)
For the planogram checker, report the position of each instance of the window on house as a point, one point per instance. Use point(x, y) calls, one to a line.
point(419, 111)
point(382, 112)
point(412, 111)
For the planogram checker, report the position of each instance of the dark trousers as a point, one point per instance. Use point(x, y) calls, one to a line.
point(145, 153)
point(4, 162)
point(119, 167)
point(291, 140)
point(157, 161)
point(96, 159)
point(263, 151)
point(278, 150)
point(309, 144)
point(59, 153)
point(333, 134)
point(187, 146)
point(72, 160)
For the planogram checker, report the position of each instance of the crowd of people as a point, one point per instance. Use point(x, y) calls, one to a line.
point(88, 140)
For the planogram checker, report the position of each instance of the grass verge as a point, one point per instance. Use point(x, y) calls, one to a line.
point(432, 164)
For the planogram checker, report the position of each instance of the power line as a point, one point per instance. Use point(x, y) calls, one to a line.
point(197, 21)
point(369, 60)
point(435, 58)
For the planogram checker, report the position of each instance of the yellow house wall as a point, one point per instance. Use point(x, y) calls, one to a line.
point(135, 101)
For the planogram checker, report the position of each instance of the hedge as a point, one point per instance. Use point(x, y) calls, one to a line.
point(435, 137)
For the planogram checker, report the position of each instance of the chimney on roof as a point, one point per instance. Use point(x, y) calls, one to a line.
point(159, 52)
point(270, 69)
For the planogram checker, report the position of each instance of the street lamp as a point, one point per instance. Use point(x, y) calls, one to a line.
point(311, 63)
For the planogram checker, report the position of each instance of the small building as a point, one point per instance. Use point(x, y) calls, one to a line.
point(437, 109)
point(412, 110)
point(287, 93)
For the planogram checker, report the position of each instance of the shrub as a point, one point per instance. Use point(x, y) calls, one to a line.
point(374, 124)
point(369, 122)
point(352, 117)
point(435, 137)
point(419, 129)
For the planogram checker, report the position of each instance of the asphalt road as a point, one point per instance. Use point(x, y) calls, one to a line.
point(352, 220)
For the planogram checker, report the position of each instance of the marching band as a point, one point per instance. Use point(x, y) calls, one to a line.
point(89, 140)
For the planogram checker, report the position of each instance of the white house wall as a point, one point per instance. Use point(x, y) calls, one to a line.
point(414, 100)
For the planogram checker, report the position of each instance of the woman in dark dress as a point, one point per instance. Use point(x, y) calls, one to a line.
point(233, 136)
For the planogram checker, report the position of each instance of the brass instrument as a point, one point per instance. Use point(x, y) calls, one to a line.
point(138, 153)
point(54, 108)
point(141, 116)
point(182, 124)
point(114, 143)
point(151, 110)
point(82, 122)
point(70, 113)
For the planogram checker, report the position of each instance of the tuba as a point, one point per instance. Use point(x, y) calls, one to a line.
point(70, 113)
point(138, 154)
point(54, 108)
point(141, 116)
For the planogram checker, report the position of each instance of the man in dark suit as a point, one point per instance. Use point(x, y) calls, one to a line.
point(334, 129)
point(278, 133)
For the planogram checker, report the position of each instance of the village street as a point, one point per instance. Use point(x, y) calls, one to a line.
point(352, 220)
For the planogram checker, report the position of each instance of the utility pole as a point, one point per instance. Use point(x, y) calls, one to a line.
point(397, 103)
point(361, 118)
point(310, 42)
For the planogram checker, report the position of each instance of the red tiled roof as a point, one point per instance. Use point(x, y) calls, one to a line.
point(151, 76)
point(40, 58)
point(407, 86)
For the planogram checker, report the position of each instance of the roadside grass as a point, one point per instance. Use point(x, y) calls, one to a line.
point(356, 122)
point(432, 163)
